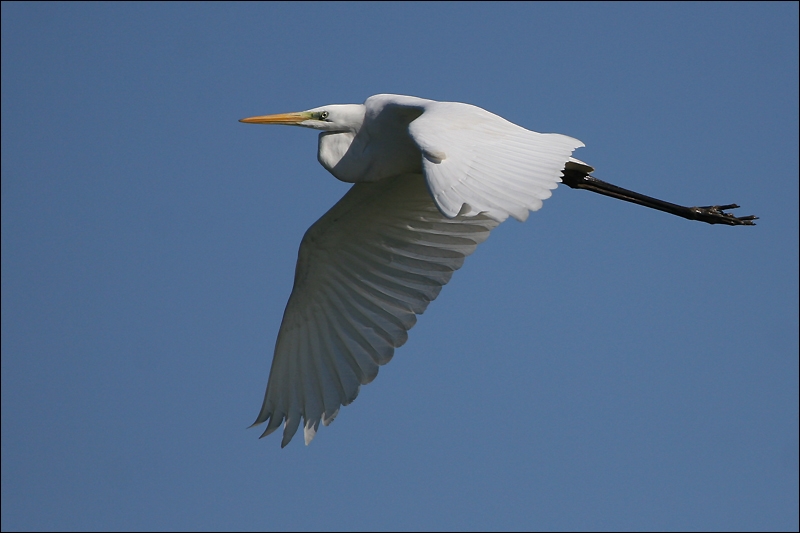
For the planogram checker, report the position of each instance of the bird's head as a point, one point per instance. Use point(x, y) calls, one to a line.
point(339, 117)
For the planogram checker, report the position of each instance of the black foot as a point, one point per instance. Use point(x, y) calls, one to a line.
point(715, 214)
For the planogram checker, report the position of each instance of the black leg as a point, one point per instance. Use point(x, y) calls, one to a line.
point(577, 178)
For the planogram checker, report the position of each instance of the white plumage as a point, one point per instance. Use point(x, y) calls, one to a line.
point(432, 179)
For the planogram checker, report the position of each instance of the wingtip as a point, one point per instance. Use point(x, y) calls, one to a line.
point(310, 430)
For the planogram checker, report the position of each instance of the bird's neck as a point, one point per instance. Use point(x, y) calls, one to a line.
point(333, 145)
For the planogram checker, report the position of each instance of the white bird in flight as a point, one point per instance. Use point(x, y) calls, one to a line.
point(432, 179)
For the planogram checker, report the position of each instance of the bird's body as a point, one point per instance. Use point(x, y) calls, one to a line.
point(432, 179)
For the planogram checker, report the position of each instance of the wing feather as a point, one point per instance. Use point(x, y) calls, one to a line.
point(364, 271)
point(486, 164)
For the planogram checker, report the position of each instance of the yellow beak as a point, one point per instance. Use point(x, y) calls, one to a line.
point(283, 118)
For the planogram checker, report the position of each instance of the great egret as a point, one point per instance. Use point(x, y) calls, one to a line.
point(432, 179)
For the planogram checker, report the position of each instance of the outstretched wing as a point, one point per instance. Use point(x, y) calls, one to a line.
point(477, 162)
point(364, 271)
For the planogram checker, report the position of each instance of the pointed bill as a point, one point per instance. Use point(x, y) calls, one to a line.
point(282, 118)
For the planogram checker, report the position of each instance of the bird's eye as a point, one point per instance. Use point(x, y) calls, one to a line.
point(323, 115)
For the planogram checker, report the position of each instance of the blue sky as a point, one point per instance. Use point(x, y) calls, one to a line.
point(601, 366)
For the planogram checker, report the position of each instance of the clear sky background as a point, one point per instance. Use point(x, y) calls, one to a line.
point(601, 366)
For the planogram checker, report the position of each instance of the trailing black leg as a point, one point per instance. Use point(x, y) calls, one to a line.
point(576, 176)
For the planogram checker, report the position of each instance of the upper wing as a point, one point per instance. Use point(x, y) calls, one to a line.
point(364, 271)
point(478, 162)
